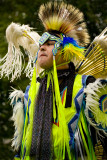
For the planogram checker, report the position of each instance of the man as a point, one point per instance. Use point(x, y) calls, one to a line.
point(45, 56)
point(54, 125)
point(47, 135)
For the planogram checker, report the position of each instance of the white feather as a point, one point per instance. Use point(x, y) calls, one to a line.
point(15, 95)
point(92, 103)
point(13, 62)
point(18, 116)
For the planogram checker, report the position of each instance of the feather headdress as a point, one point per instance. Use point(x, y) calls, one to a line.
point(62, 18)
point(65, 19)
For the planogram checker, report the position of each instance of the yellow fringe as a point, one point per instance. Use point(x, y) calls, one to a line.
point(63, 128)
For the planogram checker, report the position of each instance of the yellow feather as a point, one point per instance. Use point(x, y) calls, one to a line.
point(70, 51)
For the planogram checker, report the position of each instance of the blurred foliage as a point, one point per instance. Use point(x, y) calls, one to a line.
point(25, 12)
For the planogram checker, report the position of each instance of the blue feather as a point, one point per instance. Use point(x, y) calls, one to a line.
point(68, 40)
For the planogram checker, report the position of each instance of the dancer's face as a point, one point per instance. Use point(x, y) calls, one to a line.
point(45, 55)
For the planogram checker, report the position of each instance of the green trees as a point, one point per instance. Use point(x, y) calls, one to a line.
point(25, 12)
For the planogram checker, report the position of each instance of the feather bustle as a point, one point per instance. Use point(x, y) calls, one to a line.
point(94, 91)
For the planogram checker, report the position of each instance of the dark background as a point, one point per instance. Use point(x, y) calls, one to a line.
point(25, 12)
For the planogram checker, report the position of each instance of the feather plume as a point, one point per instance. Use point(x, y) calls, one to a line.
point(66, 19)
point(15, 95)
point(72, 51)
point(96, 114)
point(13, 62)
point(18, 116)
